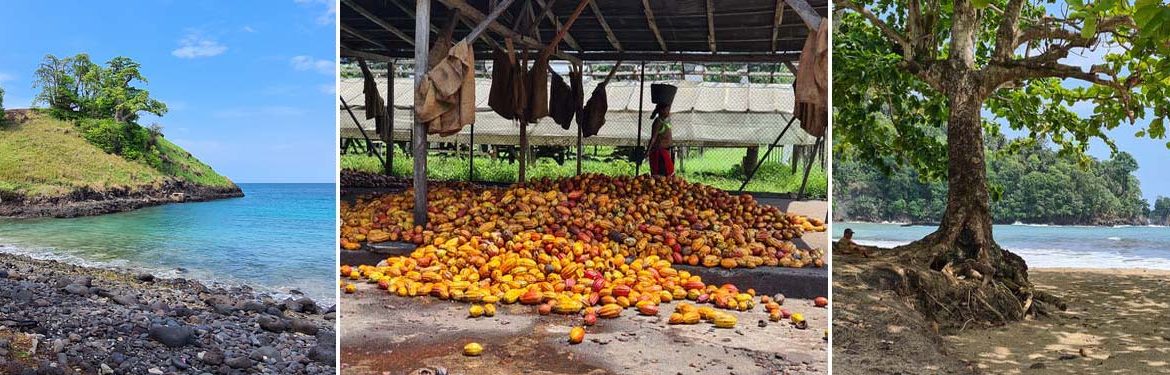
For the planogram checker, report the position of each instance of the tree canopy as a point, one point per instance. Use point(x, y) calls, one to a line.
point(894, 71)
point(1037, 185)
point(918, 83)
point(75, 87)
point(1161, 213)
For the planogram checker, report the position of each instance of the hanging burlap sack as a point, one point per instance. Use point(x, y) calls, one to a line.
point(501, 96)
point(812, 83)
point(560, 102)
point(537, 90)
point(445, 101)
point(592, 116)
point(577, 87)
point(520, 88)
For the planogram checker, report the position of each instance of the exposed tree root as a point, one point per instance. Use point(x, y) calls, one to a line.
point(957, 288)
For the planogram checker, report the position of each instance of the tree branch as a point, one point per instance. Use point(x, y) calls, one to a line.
point(1009, 31)
point(893, 35)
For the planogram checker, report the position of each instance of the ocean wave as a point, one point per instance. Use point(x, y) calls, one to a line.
point(1064, 258)
point(123, 265)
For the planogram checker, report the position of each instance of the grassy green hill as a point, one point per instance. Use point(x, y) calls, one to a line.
point(46, 157)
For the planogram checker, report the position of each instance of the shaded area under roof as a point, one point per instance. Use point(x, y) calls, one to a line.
point(743, 30)
point(704, 114)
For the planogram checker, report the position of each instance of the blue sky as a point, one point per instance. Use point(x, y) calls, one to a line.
point(250, 85)
point(1151, 154)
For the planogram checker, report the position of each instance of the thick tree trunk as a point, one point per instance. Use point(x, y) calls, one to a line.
point(966, 224)
point(959, 274)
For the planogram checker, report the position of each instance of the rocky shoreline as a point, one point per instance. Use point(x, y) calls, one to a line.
point(89, 202)
point(58, 318)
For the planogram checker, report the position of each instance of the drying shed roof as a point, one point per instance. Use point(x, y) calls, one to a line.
point(652, 30)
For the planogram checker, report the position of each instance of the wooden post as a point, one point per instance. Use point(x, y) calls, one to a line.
point(422, 44)
point(641, 94)
point(580, 138)
point(471, 155)
point(388, 138)
point(523, 149)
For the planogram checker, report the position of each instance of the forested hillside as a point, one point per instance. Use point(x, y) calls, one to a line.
point(1033, 185)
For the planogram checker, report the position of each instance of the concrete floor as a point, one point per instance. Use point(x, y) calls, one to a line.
point(386, 334)
point(383, 333)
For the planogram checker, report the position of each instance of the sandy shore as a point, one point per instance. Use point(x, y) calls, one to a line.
point(1117, 322)
point(58, 318)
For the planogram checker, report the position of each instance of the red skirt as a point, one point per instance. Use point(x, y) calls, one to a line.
point(660, 162)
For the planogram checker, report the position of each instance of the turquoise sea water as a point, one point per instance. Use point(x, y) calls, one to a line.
point(1048, 246)
point(277, 238)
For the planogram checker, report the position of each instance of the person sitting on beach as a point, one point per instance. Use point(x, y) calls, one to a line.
point(846, 245)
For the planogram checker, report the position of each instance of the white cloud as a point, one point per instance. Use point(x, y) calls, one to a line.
point(195, 45)
point(330, 89)
point(248, 29)
point(309, 63)
point(329, 17)
point(5, 77)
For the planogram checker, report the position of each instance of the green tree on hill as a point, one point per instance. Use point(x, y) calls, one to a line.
point(914, 78)
point(75, 87)
point(1161, 213)
point(105, 103)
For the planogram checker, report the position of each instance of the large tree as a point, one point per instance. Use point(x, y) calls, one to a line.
point(913, 79)
point(76, 87)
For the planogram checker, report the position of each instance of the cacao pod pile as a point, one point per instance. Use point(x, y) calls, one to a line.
point(640, 216)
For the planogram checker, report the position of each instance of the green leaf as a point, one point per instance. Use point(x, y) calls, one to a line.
point(1157, 130)
point(980, 4)
point(1090, 28)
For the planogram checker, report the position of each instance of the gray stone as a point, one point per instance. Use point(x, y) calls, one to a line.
point(212, 357)
point(80, 290)
point(252, 306)
point(265, 354)
point(172, 336)
point(304, 326)
point(125, 300)
point(239, 362)
point(308, 306)
point(272, 324)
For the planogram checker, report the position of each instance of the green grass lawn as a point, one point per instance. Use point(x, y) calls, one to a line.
point(719, 168)
point(48, 157)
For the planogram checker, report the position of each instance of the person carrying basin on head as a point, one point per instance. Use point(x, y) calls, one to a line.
point(661, 164)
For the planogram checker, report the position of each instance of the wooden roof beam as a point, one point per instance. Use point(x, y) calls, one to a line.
point(806, 13)
point(763, 57)
point(373, 18)
point(654, 25)
point(613, 40)
point(552, 44)
point(472, 14)
point(362, 36)
point(345, 51)
point(556, 23)
point(711, 25)
point(777, 20)
point(410, 13)
point(486, 21)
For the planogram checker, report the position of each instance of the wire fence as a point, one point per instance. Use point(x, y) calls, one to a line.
point(721, 130)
